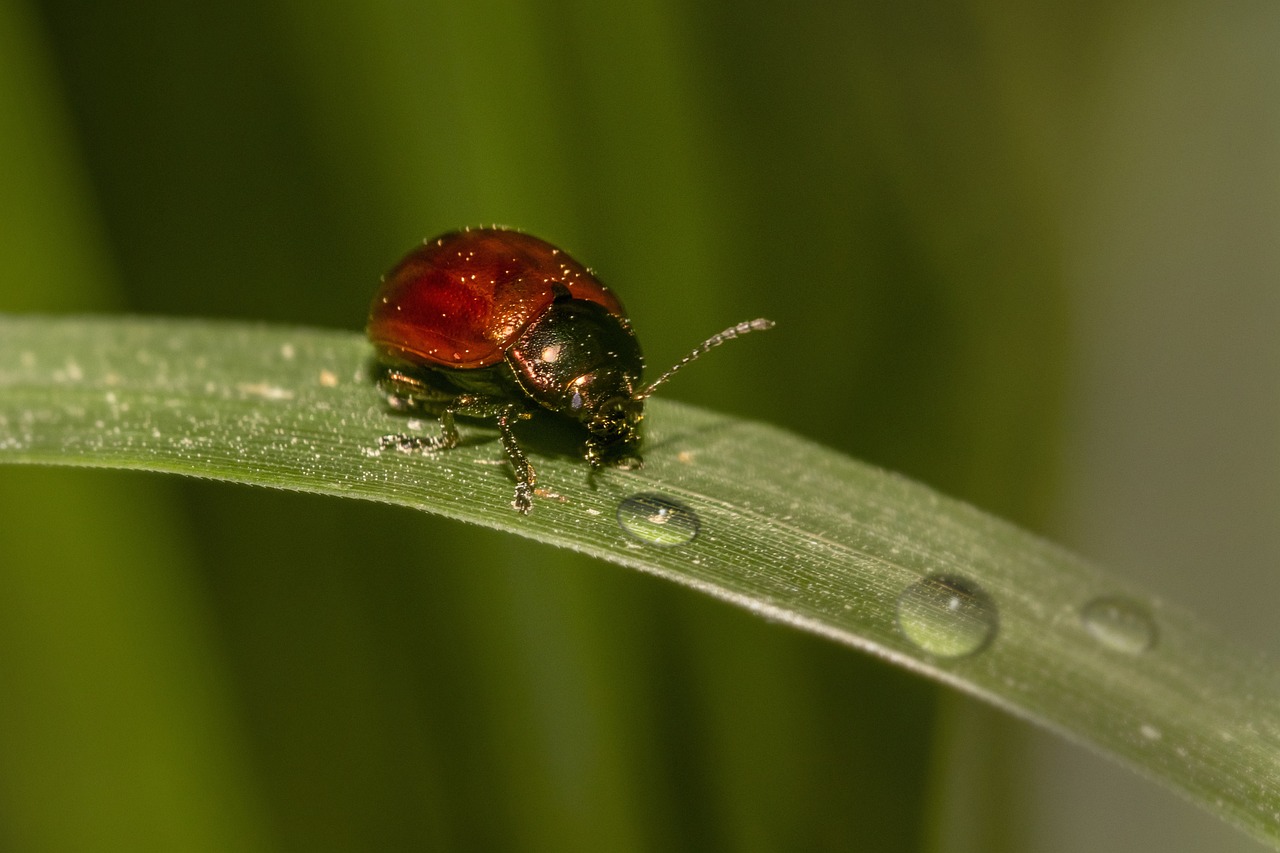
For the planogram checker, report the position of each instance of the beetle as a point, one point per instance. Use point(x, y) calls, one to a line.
point(496, 323)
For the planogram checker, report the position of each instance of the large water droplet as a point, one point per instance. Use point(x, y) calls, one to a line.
point(1120, 624)
point(947, 616)
point(657, 520)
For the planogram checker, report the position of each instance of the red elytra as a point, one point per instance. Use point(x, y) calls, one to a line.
point(462, 300)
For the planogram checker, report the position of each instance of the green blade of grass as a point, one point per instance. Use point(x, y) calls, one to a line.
point(774, 523)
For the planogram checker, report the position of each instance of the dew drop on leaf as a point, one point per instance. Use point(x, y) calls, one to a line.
point(657, 520)
point(1120, 624)
point(947, 616)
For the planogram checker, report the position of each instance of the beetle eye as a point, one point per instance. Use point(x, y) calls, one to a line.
point(575, 401)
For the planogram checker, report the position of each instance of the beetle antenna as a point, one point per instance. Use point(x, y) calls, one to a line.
point(758, 325)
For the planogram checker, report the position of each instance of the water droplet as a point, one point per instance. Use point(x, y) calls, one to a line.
point(947, 616)
point(1120, 624)
point(657, 520)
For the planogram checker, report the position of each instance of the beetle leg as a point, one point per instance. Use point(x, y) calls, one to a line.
point(405, 393)
point(525, 476)
point(447, 439)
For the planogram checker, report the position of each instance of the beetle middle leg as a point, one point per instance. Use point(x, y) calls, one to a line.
point(526, 477)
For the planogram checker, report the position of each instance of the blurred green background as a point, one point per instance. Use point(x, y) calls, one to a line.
point(1024, 252)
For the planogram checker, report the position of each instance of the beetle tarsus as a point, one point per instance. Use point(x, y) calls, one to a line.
point(412, 443)
point(447, 440)
point(523, 501)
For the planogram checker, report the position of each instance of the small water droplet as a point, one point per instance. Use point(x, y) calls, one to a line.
point(657, 520)
point(947, 616)
point(1120, 624)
